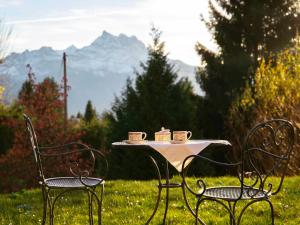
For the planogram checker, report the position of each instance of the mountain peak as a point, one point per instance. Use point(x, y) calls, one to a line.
point(106, 34)
point(103, 38)
point(127, 38)
point(46, 49)
point(71, 48)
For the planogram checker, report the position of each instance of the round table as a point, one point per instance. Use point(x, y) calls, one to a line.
point(173, 154)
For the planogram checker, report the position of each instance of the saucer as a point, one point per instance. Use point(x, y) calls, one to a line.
point(134, 142)
point(178, 142)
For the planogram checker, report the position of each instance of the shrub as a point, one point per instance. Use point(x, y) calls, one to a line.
point(275, 93)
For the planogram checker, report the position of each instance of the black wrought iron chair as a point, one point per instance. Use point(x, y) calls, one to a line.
point(72, 156)
point(266, 152)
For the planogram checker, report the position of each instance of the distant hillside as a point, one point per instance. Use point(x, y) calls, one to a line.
point(97, 72)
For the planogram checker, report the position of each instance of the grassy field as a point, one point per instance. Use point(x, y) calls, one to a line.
point(131, 202)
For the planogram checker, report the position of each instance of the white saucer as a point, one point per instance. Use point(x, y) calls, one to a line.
point(178, 142)
point(134, 142)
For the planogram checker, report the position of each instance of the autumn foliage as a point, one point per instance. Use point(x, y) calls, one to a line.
point(43, 103)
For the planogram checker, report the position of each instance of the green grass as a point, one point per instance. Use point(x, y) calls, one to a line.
point(131, 202)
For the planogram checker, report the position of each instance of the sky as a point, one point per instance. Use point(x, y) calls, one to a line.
point(59, 24)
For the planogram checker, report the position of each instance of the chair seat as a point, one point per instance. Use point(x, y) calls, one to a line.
point(72, 182)
point(233, 193)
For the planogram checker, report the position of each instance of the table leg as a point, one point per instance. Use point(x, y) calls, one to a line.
point(167, 185)
point(156, 206)
point(167, 191)
point(159, 188)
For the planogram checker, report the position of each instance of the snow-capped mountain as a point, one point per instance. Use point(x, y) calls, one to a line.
point(97, 72)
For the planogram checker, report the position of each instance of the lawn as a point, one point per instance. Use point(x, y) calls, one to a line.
point(130, 202)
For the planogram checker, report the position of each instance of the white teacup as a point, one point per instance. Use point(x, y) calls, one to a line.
point(181, 135)
point(136, 136)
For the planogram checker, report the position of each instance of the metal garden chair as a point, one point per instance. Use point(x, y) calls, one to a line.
point(72, 155)
point(266, 152)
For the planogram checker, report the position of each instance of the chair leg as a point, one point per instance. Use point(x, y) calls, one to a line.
point(250, 203)
point(45, 202)
point(244, 209)
point(272, 210)
point(44, 213)
point(229, 209)
point(48, 201)
point(52, 205)
point(100, 205)
point(51, 208)
point(199, 201)
point(232, 214)
point(91, 219)
point(197, 209)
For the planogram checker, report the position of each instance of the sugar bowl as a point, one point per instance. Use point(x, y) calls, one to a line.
point(163, 135)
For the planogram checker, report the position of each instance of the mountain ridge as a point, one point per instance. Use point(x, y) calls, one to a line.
point(96, 72)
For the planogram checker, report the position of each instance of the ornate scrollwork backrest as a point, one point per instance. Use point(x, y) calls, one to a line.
point(266, 152)
point(34, 145)
point(71, 159)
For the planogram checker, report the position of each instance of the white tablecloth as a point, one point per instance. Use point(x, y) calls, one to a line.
point(176, 153)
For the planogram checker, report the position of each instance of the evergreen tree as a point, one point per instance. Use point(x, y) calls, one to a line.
point(90, 113)
point(246, 31)
point(157, 98)
point(79, 115)
point(27, 90)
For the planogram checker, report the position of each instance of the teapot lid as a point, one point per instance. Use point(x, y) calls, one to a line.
point(164, 131)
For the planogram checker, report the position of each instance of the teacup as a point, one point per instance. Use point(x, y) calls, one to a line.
point(181, 135)
point(136, 136)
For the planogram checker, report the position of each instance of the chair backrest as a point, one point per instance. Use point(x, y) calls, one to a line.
point(34, 145)
point(266, 152)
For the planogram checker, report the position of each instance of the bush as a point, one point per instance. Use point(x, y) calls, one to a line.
point(275, 93)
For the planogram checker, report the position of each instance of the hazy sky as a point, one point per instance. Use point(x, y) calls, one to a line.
point(61, 23)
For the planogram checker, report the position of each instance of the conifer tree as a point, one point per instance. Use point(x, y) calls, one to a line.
point(245, 31)
point(90, 113)
point(155, 99)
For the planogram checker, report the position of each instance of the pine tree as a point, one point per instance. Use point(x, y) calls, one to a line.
point(245, 31)
point(27, 90)
point(90, 113)
point(155, 99)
